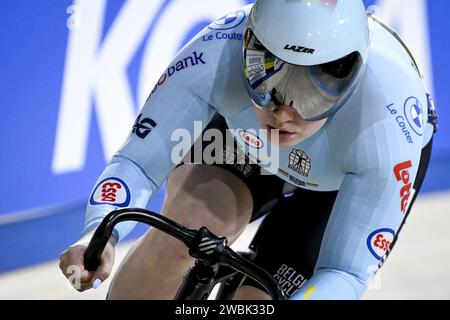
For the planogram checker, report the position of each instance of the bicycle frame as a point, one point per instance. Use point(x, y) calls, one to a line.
point(201, 279)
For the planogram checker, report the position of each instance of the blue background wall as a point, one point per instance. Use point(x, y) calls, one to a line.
point(42, 209)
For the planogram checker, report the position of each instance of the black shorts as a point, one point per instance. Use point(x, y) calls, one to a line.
point(266, 189)
point(303, 233)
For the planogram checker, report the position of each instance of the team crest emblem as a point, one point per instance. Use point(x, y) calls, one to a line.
point(300, 162)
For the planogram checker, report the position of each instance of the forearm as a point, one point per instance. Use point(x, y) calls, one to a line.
point(331, 285)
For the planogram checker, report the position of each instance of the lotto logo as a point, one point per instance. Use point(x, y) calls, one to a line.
point(402, 174)
point(380, 241)
point(111, 191)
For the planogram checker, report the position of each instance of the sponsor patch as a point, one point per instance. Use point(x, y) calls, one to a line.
point(300, 162)
point(219, 35)
point(143, 127)
point(402, 123)
point(193, 60)
point(112, 191)
point(380, 241)
point(297, 181)
point(253, 59)
point(299, 49)
point(255, 66)
point(230, 21)
point(414, 115)
point(290, 280)
point(162, 79)
point(401, 173)
point(251, 139)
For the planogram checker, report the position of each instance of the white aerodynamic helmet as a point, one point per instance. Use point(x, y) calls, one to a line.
point(308, 54)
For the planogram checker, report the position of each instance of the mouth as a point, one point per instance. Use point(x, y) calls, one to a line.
point(284, 135)
point(282, 131)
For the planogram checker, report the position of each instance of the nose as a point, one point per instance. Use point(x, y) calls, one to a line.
point(282, 114)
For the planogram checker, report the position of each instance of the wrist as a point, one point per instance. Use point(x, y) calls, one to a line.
point(113, 239)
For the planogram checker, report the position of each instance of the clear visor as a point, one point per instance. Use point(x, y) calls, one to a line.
point(314, 91)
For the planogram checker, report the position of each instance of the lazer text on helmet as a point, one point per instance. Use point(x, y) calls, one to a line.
point(299, 49)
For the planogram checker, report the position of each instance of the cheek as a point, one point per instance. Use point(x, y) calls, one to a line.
point(260, 114)
point(311, 127)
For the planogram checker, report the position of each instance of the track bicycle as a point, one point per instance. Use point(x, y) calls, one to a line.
point(216, 263)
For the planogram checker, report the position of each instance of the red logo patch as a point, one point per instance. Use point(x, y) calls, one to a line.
point(381, 242)
point(402, 174)
point(162, 79)
point(109, 191)
point(251, 139)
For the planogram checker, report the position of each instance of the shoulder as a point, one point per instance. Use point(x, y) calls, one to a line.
point(213, 59)
point(229, 27)
point(219, 40)
point(386, 118)
point(403, 91)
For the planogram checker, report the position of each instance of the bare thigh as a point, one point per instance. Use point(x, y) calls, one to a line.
point(251, 293)
point(197, 195)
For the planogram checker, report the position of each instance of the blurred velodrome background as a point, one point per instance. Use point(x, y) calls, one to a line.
point(74, 76)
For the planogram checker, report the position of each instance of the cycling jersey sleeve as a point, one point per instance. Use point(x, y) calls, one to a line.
point(367, 214)
point(163, 132)
point(204, 78)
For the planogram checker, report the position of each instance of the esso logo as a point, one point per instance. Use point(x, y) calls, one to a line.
point(251, 139)
point(111, 191)
point(380, 241)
